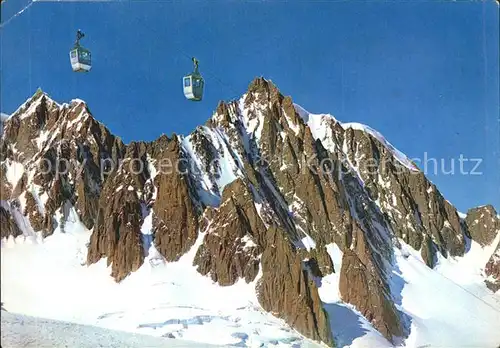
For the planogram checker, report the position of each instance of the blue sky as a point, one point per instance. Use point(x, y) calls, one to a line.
point(425, 74)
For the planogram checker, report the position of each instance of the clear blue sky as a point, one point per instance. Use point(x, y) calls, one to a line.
point(424, 74)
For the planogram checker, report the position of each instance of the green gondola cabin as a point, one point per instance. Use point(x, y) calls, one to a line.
point(193, 84)
point(80, 57)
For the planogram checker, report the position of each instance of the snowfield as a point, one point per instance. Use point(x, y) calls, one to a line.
point(448, 307)
point(49, 279)
point(20, 331)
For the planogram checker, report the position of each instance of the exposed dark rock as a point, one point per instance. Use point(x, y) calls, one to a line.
point(492, 270)
point(8, 226)
point(283, 273)
point(234, 239)
point(483, 225)
point(175, 217)
point(363, 283)
point(359, 286)
point(117, 230)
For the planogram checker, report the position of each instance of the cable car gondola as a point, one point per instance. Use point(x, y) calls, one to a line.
point(80, 56)
point(193, 84)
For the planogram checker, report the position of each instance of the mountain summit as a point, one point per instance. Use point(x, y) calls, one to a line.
point(265, 192)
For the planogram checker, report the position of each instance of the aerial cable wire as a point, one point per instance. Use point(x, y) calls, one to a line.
point(31, 2)
point(17, 14)
point(464, 289)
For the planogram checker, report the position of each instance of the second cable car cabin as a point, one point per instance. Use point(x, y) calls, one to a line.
point(193, 84)
point(80, 56)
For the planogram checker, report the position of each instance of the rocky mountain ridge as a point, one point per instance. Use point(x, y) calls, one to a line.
point(268, 185)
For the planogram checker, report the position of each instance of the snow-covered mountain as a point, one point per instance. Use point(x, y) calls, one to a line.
point(266, 226)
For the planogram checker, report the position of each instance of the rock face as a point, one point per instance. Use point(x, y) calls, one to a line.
point(360, 285)
point(233, 239)
point(492, 270)
point(269, 186)
point(483, 225)
point(283, 273)
point(175, 214)
point(8, 226)
point(415, 209)
point(52, 154)
point(117, 231)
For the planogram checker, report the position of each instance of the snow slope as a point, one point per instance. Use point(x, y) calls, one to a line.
point(20, 331)
point(401, 157)
point(47, 278)
point(449, 306)
point(318, 122)
point(3, 117)
point(349, 327)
